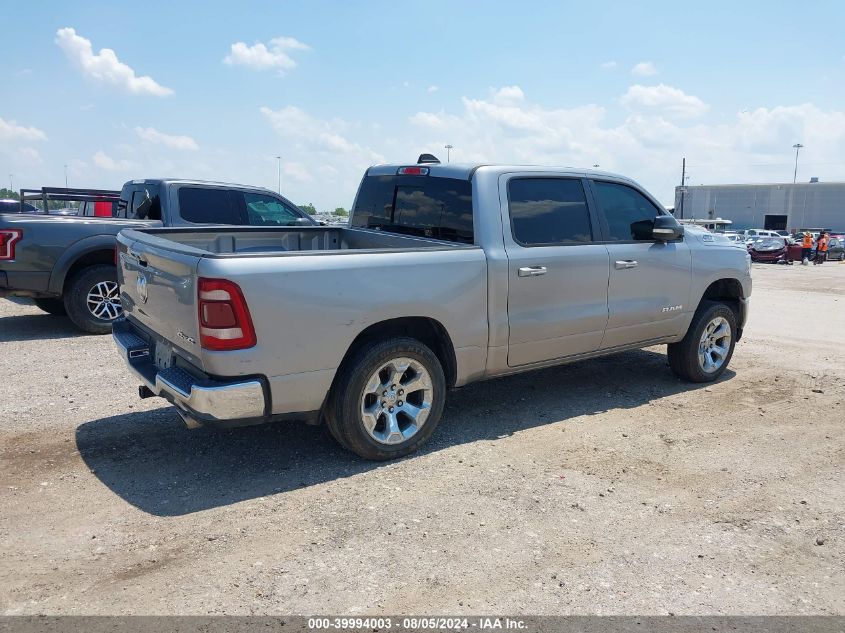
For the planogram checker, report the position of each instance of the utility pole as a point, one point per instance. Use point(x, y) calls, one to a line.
point(683, 184)
point(448, 149)
point(279, 158)
point(11, 186)
point(797, 147)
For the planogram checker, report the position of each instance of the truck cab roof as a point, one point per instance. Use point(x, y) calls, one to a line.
point(194, 181)
point(465, 171)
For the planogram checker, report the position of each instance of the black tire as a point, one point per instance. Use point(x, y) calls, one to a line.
point(51, 306)
point(343, 409)
point(76, 298)
point(684, 355)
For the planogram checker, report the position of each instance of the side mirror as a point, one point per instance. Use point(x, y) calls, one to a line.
point(302, 222)
point(667, 229)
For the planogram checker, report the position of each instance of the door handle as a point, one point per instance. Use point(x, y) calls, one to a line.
point(531, 271)
point(621, 264)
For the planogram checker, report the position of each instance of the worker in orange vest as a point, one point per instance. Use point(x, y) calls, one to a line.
point(821, 248)
point(806, 247)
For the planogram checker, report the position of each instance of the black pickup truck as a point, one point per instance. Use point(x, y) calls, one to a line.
point(66, 263)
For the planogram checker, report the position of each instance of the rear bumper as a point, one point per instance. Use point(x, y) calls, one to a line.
point(200, 401)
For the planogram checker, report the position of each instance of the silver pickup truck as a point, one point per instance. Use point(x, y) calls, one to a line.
point(447, 274)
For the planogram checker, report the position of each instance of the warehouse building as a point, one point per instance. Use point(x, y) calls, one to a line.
point(787, 206)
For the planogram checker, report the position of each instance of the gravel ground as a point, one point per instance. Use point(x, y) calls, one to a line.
point(603, 487)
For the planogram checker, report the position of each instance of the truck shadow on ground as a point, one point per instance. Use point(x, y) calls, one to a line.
point(34, 327)
point(154, 463)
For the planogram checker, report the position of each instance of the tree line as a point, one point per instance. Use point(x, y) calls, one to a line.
point(310, 209)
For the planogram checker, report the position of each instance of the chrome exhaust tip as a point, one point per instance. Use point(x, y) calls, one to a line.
point(190, 422)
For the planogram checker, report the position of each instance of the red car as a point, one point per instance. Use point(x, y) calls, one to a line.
point(768, 249)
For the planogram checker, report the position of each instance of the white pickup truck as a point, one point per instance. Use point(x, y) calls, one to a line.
point(447, 274)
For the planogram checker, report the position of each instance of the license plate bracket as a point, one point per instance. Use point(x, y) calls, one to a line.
point(164, 356)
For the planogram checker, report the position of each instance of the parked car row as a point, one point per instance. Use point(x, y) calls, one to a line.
point(772, 246)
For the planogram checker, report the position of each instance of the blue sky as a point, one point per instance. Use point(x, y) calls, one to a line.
point(334, 86)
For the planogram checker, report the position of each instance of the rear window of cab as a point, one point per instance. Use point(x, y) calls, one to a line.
point(439, 208)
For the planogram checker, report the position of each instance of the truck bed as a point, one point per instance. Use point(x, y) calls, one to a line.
point(281, 241)
point(309, 291)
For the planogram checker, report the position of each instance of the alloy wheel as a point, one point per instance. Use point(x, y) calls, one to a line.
point(396, 400)
point(103, 301)
point(714, 345)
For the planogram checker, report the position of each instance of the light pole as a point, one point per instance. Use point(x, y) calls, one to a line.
point(11, 186)
point(65, 176)
point(279, 158)
point(797, 147)
point(448, 149)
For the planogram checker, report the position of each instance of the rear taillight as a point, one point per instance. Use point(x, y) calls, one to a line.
point(8, 238)
point(225, 323)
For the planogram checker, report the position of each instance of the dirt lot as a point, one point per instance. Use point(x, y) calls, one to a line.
point(601, 487)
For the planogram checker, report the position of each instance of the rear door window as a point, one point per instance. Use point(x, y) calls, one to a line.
point(439, 208)
point(548, 211)
point(206, 205)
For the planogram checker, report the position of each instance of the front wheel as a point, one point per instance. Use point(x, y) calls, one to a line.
point(387, 399)
point(704, 353)
point(92, 299)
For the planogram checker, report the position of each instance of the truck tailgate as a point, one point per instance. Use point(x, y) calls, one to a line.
point(158, 291)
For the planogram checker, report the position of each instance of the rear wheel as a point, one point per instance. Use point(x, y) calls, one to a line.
point(92, 299)
point(51, 306)
point(387, 399)
point(705, 351)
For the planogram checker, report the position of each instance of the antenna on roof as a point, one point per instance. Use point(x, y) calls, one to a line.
point(425, 159)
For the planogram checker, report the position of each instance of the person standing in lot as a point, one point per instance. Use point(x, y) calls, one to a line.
point(821, 248)
point(806, 247)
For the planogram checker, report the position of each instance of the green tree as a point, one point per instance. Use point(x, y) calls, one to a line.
point(309, 208)
point(341, 212)
point(5, 194)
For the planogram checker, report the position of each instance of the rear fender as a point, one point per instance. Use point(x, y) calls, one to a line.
point(74, 253)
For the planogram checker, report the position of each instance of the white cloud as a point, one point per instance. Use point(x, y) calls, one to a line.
point(609, 65)
point(663, 99)
point(644, 69)
point(104, 161)
point(429, 119)
point(173, 141)
point(11, 131)
point(296, 171)
point(313, 134)
point(646, 145)
point(25, 156)
point(433, 88)
point(104, 66)
point(508, 94)
point(261, 56)
point(325, 151)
